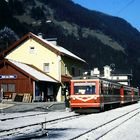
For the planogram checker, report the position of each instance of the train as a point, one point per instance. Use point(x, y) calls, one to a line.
point(91, 94)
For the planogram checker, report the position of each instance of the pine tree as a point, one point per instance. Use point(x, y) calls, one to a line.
point(7, 37)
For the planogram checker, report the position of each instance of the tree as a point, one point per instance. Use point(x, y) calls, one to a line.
point(7, 37)
point(37, 13)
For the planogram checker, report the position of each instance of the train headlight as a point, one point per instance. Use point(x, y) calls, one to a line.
point(95, 98)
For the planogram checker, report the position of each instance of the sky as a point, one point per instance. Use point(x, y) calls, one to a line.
point(126, 9)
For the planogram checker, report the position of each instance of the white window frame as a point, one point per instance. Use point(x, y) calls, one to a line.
point(8, 87)
point(66, 69)
point(31, 49)
point(46, 67)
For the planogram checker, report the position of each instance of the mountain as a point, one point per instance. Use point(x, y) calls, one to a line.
point(98, 38)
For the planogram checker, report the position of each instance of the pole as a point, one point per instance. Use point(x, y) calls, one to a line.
point(1, 99)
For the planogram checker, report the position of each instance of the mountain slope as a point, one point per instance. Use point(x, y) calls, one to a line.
point(98, 38)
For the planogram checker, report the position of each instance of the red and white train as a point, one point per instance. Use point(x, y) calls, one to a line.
point(92, 93)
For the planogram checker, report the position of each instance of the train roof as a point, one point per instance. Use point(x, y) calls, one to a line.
point(95, 77)
point(88, 77)
point(84, 77)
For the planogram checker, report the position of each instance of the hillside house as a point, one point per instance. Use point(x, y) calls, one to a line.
point(122, 77)
point(50, 59)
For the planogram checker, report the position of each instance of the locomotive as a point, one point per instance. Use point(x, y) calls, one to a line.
point(89, 94)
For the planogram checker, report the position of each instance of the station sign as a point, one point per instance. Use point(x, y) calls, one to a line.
point(85, 84)
point(14, 76)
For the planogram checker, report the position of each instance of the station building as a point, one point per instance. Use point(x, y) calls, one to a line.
point(39, 68)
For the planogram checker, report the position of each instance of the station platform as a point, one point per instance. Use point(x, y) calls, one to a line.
point(13, 107)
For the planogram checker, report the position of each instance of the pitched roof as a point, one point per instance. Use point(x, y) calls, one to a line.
point(68, 53)
point(33, 72)
point(59, 49)
point(56, 49)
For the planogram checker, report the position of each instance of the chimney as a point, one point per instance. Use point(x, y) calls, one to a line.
point(95, 72)
point(52, 40)
point(40, 35)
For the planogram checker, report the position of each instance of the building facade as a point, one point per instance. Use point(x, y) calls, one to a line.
point(20, 78)
point(122, 77)
point(53, 60)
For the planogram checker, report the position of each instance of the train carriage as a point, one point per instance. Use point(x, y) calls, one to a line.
point(92, 93)
point(126, 94)
point(129, 94)
point(85, 94)
point(110, 92)
point(135, 94)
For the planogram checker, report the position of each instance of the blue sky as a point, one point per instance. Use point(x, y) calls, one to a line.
point(126, 9)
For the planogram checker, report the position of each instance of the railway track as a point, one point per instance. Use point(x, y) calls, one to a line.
point(44, 127)
point(39, 128)
point(22, 116)
point(103, 129)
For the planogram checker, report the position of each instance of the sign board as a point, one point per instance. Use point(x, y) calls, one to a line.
point(84, 84)
point(8, 76)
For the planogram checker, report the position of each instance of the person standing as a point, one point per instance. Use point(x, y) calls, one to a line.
point(67, 100)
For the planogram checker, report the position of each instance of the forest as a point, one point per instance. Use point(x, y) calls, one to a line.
point(98, 38)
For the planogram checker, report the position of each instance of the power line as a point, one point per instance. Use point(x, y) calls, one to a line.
point(128, 4)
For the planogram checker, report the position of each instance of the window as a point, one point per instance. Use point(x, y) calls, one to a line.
point(50, 90)
point(11, 87)
point(105, 88)
point(66, 70)
point(46, 67)
point(8, 87)
point(4, 87)
point(73, 71)
point(84, 88)
point(79, 72)
point(32, 50)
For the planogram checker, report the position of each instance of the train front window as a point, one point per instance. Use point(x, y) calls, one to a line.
point(84, 88)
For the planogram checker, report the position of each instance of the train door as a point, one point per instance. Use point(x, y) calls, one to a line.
point(101, 91)
point(132, 94)
point(135, 94)
point(122, 94)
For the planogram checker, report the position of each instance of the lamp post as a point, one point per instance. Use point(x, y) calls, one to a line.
point(112, 66)
point(1, 99)
point(1, 95)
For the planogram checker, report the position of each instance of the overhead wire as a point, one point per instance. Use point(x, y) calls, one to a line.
point(128, 4)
